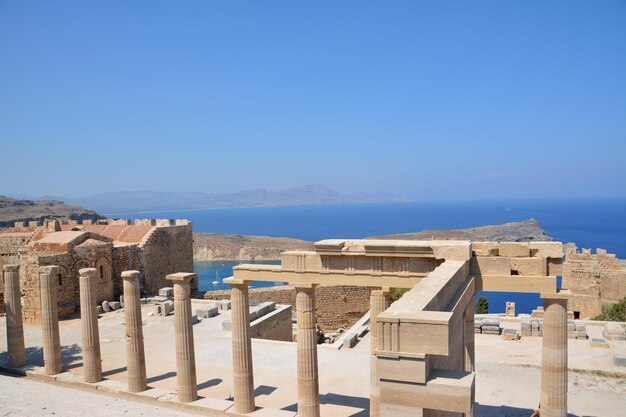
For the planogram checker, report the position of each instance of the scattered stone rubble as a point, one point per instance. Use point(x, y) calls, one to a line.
point(613, 331)
point(257, 310)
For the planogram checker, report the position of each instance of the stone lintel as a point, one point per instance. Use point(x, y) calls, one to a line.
point(88, 272)
point(516, 283)
point(303, 285)
point(11, 268)
point(130, 275)
point(181, 277)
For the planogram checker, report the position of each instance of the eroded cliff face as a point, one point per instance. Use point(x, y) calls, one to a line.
point(215, 246)
point(12, 210)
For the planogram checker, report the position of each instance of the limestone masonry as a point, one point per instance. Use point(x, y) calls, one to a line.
point(153, 247)
point(595, 280)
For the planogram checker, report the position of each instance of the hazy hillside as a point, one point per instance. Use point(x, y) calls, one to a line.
point(137, 201)
point(12, 210)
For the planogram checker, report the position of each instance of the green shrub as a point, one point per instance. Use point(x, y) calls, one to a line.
point(396, 293)
point(615, 312)
point(482, 306)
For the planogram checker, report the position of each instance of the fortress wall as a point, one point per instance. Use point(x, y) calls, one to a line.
point(594, 280)
point(125, 258)
point(166, 250)
point(338, 306)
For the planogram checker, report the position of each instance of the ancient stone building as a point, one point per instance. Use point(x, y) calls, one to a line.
point(153, 247)
point(595, 280)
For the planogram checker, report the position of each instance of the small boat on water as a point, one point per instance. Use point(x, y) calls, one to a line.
point(217, 281)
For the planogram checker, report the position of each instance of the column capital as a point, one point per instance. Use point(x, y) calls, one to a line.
point(88, 272)
point(130, 275)
point(11, 268)
point(235, 281)
point(48, 270)
point(384, 290)
point(181, 277)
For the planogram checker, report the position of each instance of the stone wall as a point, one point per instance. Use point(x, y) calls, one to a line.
point(125, 258)
point(595, 280)
point(274, 326)
point(166, 250)
point(9, 246)
point(338, 306)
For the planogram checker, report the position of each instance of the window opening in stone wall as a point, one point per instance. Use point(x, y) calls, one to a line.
point(101, 272)
point(60, 278)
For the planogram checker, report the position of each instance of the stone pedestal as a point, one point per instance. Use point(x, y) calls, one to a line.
point(243, 374)
point(183, 328)
point(13, 308)
point(48, 283)
point(92, 361)
point(379, 302)
point(308, 380)
point(135, 355)
point(554, 357)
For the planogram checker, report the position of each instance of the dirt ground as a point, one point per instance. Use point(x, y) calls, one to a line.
point(507, 384)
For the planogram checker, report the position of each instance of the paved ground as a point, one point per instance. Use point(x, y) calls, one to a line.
point(508, 374)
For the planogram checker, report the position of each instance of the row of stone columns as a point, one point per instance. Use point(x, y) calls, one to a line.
point(92, 360)
point(554, 352)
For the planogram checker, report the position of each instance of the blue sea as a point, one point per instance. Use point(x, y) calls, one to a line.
point(588, 223)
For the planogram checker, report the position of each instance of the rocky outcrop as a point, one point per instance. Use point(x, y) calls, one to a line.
point(215, 246)
point(12, 210)
point(526, 231)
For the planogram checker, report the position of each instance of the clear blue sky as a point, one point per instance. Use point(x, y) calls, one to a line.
point(436, 100)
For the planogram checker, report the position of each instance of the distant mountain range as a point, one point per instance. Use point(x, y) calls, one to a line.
point(141, 201)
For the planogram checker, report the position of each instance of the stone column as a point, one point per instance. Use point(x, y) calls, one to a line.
point(308, 380)
point(243, 374)
point(554, 357)
point(379, 302)
point(135, 355)
point(468, 336)
point(183, 328)
point(48, 283)
point(92, 361)
point(13, 308)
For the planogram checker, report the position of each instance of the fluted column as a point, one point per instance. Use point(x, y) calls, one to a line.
point(308, 380)
point(183, 328)
point(92, 361)
point(554, 357)
point(48, 283)
point(13, 308)
point(243, 372)
point(468, 336)
point(379, 302)
point(135, 355)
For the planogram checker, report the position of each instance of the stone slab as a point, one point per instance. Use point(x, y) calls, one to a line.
point(212, 403)
point(115, 305)
point(166, 292)
point(598, 342)
point(206, 312)
point(619, 360)
point(349, 340)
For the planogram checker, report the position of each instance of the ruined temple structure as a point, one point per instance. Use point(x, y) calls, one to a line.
point(422, 354)
point(595, 280)
point(422, 351)
point(153, 247)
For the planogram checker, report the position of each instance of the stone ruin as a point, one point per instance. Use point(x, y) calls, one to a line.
point(422, 346)
point(153, 247)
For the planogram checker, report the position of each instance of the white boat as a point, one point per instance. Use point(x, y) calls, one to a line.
point(217, 281)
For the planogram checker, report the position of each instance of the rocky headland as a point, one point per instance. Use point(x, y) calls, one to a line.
point(13, 210)
point(214, 246)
